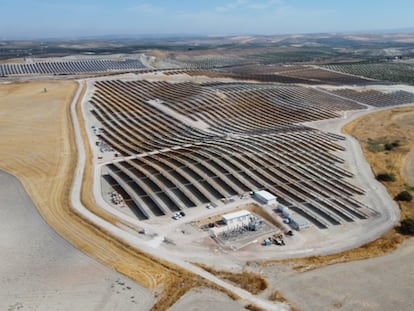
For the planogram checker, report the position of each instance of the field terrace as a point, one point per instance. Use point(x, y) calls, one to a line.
point(182, 145)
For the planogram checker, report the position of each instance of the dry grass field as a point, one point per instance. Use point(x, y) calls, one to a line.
point(38, 148)
point(373, 132)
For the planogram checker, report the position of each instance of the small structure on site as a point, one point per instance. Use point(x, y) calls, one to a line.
point(236, 217)
point(265, 197)
point(295, 221)
point(235, 223)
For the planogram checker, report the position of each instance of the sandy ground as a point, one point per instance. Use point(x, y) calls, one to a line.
point(383, 283)
point(41, 271)
point(205, 300)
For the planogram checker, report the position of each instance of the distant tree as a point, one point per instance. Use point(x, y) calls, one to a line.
point(407, 226)
point(386, 177)
point(404, 196)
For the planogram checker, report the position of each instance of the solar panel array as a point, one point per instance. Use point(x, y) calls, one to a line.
point(254, 140)
point(70, 67)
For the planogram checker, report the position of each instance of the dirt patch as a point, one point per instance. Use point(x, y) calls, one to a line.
point(249, 281)
point(205, 299)
point(254, 308)
point(277, 296)
point(381, 283)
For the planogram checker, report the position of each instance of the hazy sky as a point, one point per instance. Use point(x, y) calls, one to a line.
point(74, 18)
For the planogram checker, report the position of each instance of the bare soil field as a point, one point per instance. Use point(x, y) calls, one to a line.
point(382, 283)
point(204, 299)
point(41, 271)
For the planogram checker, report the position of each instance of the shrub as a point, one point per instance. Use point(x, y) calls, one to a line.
point(404, 196)
point(407, 226)
point(391, 146)
point(388, 147)
point(386, 177)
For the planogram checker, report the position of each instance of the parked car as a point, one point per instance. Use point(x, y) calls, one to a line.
point(177, 216)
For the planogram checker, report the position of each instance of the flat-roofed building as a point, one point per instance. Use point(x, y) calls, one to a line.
point(265, 197)
point(236, 217)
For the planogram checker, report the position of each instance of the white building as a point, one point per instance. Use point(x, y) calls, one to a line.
point(294, 220)
point(236, 217)
point(298, 223)
point(265, 197)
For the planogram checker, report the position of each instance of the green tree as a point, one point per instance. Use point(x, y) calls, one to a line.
point(404, 196)
point(407, 226)
point(386, 177)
